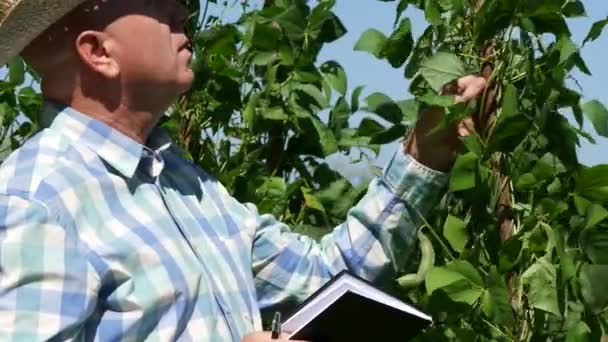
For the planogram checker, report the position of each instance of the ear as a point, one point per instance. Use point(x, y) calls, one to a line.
point(95, 50)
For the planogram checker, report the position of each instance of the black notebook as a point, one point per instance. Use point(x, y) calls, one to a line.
point(348, 308)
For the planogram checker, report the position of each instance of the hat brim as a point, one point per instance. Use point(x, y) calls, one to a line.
point(26, 20)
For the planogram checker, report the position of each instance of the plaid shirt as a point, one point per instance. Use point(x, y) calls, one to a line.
point(102, 238)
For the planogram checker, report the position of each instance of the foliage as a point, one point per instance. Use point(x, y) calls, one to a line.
point(19, 104)
point(520, 238)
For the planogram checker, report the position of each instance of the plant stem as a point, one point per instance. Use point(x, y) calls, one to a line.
point(445, 248)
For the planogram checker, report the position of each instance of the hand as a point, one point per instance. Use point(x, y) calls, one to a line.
point(265, 337)
point(440, 149)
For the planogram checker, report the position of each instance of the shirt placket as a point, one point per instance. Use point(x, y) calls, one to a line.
point(154, 171)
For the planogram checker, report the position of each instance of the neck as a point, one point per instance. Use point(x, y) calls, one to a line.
point(136, 124)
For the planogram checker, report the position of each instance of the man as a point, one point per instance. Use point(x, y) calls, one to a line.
point(106, 233)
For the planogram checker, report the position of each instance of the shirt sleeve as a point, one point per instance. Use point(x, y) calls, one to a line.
point(47, 286)
point(375, 240)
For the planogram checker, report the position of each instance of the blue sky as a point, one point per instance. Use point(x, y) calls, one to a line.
point(376, 75)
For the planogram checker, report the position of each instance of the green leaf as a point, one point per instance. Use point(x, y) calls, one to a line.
point(264, 36)
point(563, 138)
point(442, 69)
point(249, 113)
point(546, 23)
point(327, 139)
point(30, 102)
point(594, 242)
point(581, 65)
point(555, 187)
point(541, 279)
point(579, 333)
point(335, 75)
point(432, 12)
point(526, 181)
point(596, 31)
point(463, 172)
point(595, 214)
point(293, 21)
point(495, 301)
point(547, 167)
point(349, 138)
point(455, 231)
point(509, 133)
point(422, 50)
point(319, 16)
point(332, 29)
point(7, 114)
point(458, 279)
point(410, 109)
point(398, 46)
point(581, 204)
point(286, 54)
point(535, 7)
point(510, 254)
point(593, 280)
point(473, 144)
point(437, 100)
point(369, 127)
point(510, 102)
point(566, 47)
point(310, 201)
point(492, 17)
point(271, 194)
point(371, 41)
point(597, 113)
point(275, 113)
point(265, 58)
point(384, 106)
point(314, 93)
point(592, 183)
point(354, 102)
point(401, 7)
point(387, 136)
point(338, 118)
point(574, 8)
point(16, 71)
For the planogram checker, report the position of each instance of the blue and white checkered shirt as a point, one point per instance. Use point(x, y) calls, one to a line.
point(102, 238)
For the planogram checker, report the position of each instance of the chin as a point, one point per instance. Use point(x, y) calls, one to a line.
point(185, 81)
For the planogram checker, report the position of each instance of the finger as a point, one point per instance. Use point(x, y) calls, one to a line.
point(469, 80)
point(468, 94)
point(466, 127)
point(471, 89)
point(466, 80)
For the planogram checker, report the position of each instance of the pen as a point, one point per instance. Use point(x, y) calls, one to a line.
point(276, 326)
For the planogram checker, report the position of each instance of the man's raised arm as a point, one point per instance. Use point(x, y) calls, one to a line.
point(379, 232)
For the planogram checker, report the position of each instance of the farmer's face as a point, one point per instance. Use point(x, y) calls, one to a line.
point(150, 46)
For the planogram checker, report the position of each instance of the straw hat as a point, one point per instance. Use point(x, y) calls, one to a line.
point(21, 21)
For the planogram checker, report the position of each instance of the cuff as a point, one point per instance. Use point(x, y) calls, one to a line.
point(416, 184)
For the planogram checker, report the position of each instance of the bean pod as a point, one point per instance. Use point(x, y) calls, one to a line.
point(427, 260)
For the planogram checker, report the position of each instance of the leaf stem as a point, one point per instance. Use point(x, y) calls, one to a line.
point(445, 248)
point(496, 328)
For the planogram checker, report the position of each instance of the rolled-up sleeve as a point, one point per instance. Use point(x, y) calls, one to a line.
point(375, 240)
point(47, 286)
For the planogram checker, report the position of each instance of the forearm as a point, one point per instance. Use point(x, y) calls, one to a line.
point(376, 238)
point(380, 231)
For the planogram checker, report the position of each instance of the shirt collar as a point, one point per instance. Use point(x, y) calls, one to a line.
point(121, 152)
